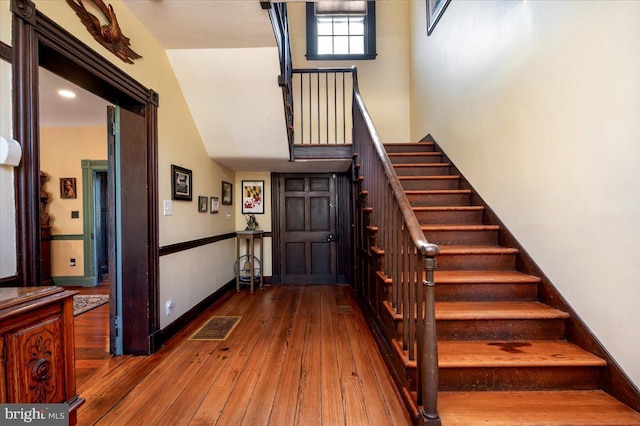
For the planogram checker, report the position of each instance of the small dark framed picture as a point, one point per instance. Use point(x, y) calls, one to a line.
point(203, 203)
point(181, 183)
point(252, 196)
point(227, 193)
point(68, 187)
point(215, 205)
point(435, 9)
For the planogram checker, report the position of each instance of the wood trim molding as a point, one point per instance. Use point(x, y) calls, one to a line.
point(67, 237)
point(5, 51)
point(24, 9)
point(614, 380)
point(160, 337)
point(11, 281)
point(188, 245)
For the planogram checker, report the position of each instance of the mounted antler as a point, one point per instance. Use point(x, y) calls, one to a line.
point(110, 35)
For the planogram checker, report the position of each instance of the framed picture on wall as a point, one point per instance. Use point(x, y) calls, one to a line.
point(435, 9)
point(202, 203)
point(252, 196)
point(68, 187)
point(215, 205)
point(181, 183)
point(227, 193)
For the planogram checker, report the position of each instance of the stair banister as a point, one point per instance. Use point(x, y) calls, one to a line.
point(427, 350)
point(402, 241)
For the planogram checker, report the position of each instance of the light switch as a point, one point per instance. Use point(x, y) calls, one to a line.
point(168, 208)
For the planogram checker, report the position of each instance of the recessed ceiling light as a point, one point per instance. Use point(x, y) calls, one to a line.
point(66, 93)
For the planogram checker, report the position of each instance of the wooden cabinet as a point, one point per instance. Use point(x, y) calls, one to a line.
point(37, 344)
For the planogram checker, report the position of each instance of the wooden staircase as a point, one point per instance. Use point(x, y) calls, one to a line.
point(503, 355)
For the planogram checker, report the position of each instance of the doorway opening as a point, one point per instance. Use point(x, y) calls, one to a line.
point(40, 42)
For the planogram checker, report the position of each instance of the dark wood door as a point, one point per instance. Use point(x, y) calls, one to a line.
point(129, 231)
point(308, 229)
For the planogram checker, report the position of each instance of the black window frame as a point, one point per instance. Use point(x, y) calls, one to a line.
point(369, 37)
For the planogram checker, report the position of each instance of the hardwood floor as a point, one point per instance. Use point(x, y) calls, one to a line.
point(300, 355)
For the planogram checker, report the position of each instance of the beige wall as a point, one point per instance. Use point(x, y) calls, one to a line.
point(537, 102)
point(384, 82)
point(186, 278)
point(61, 152)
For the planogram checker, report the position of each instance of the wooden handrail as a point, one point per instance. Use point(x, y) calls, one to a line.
point(415, 230)
point(400, 240)
point(409, 258)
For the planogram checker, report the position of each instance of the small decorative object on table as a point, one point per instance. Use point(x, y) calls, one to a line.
point(252, 223)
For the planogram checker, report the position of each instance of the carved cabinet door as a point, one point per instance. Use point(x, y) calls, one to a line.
point(35, 363)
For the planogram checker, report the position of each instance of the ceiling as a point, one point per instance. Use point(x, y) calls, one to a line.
point(197, 31)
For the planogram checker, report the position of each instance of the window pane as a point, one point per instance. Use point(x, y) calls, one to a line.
point(341, 45)
point(325, 26)
point(356, 27)
point(340, 26)
point(325, 45)
point(357, 44)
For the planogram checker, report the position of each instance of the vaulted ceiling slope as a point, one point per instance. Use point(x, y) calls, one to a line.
point(225, 58)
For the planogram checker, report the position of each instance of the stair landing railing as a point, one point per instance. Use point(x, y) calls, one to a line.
point(409, 259)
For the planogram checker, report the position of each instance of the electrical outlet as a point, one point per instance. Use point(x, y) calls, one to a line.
point(169, 307)
point(72, 262)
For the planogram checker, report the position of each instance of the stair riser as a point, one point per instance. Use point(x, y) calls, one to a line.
point(439, 200)
point(521, 379)
point(474, 262)
point(486, 238)
point(422, 147)
point(490, 292)
point(467, 217)
point(429, 184)
point(422, 171)
point(536, 329)
point(416, 158)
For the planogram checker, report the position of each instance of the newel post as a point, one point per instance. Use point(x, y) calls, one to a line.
point(429, 354)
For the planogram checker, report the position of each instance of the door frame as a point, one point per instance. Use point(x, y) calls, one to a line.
point(38, 41)
point(344, 223)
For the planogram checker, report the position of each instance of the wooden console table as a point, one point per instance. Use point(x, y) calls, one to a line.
point(36, 336)
point(250, 238)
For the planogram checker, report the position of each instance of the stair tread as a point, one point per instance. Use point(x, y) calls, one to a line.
point(459, 227)
point(513, 353)
point(422, 165)
point(534, 407)
point(589, 407)
point(408, 144)
point(471, 277)
point(447, 208)
point(441, 177)
point(415, 153)
point(496, 310)
point(436, 191)
point(477, 250)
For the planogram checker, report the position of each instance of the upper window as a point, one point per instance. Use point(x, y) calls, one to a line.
point(341, 30)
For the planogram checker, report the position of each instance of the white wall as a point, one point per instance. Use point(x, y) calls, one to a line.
point(383, 82)
point(8, 266)
point(538, 104)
